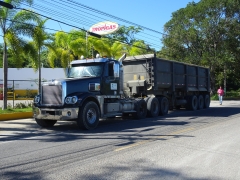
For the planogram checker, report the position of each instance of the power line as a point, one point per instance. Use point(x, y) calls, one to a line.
point(74, 19)
point(80, 29)
point(115, 17)
point(119, 18)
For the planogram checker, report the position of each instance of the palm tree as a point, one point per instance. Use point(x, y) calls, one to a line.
point(35, 47)
point(68, 46)
point(10, 24)
point(139, 47)
point(106, 47)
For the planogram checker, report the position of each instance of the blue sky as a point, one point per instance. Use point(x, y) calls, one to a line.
point(152, 14)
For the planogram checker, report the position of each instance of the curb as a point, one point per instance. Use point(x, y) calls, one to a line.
point(14, 116)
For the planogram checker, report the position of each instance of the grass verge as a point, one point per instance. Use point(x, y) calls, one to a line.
point(10, 111)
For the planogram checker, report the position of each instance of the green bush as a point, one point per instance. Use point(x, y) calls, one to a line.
point(232, 94)
point(20, 105)
point(229, 94)
point(30, 94)
point(214, 97)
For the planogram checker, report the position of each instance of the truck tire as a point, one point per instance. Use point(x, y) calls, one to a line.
point(152, 107)
point(200, 102)
point(45, 123)
point(163, 106)
point(140, 106)
point(192, 103)
point(88, 116)
point(206, 101)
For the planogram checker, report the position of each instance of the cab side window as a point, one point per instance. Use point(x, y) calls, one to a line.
point(110, 69)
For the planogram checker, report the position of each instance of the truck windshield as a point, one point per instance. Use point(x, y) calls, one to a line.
point(85, 71)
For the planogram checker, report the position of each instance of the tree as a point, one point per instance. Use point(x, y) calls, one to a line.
point(121, 41)
point(139, 47)
point(125, 34)
point(36, 47)
point(204, 33)
point(11, 22)
point(106, 47)
point(68, 46)
point(1, 54)
point(72, 45)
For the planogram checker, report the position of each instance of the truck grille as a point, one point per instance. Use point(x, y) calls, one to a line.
point(52, 95)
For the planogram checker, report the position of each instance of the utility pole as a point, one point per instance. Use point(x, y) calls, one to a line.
point(225, 78)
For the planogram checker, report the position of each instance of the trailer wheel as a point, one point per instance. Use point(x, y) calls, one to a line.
point(163, 106)
point(206, 101)
point(200, 102)
point(140, 106)
point(152, 107)
point(88, 117)
point(45, 123)
point(192, 103)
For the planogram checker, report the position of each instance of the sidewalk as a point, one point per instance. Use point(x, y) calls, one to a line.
point(215, 103)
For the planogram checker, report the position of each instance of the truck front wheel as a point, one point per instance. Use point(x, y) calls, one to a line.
point(45, 123)
point(88, 117)
point(140, 106)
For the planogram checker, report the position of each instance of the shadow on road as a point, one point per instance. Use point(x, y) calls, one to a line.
point(68, 131)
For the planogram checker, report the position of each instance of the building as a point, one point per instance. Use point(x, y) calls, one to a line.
point(24, 79)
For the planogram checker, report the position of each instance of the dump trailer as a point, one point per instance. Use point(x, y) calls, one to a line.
point(174, 84)
point(137, 86)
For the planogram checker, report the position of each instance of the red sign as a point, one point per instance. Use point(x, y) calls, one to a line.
point(105, 27)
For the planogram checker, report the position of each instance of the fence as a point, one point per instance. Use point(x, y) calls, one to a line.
point(19, 89)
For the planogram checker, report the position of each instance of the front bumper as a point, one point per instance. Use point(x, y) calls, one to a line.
point(56, 114)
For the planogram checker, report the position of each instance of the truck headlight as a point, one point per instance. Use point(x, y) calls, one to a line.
point(74, 99)
point(68, 100)
point(71, 100)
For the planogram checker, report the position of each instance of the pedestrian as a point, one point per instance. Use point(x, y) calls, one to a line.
point(220, 94)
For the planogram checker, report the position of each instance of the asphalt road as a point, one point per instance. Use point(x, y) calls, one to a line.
point(184, 144)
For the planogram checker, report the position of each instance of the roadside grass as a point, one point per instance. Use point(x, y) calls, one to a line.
point(19, 107)
point(11, 110)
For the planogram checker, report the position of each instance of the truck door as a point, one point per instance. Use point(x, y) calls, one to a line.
point(111, 82)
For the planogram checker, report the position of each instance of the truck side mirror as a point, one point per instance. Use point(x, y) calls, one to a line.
point(116, 70)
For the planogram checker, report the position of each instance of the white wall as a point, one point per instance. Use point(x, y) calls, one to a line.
point(29, 74)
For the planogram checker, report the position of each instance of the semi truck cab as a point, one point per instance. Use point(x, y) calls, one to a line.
point(92, 90)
